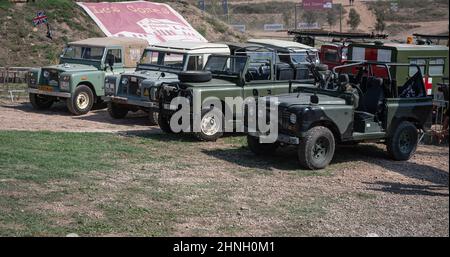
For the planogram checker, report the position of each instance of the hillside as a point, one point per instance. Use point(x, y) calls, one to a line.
point(23, 45)
point(413, 16)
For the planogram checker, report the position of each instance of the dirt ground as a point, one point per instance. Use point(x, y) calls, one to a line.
point(22, 116)
point(363, 193)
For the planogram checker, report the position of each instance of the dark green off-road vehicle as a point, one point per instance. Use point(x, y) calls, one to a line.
point(351, 106)
point(251, 71)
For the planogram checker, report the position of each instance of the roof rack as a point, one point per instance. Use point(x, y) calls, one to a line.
point(308, 36)
point(441, 36)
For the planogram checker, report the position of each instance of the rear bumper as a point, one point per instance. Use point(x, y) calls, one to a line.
point(57, 94)
point(282, 138)
point(125, 100)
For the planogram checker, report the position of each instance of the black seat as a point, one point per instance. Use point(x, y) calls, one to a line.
point(301, 72)
point(284, 71)
point(374, 96)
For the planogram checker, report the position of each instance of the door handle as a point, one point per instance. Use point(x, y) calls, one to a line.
point(269, 91)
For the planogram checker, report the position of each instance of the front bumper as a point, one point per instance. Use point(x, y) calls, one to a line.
point(282, 138)
point(57, 94)
point(125, 100)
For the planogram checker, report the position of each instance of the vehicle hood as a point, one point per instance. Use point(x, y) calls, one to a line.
point(303, 99)
point(215, 82)
point(152, 75)
point(70, 67)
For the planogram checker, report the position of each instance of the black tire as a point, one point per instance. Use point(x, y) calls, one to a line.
point(210, 130)
point(316, 149)
point(321, 67)
point(402, 144)
point(164, 123)
point(41, 102)
point(117, 111)
point(260, 149)
point(81, 101)
point(195, 76)
point(153, 117)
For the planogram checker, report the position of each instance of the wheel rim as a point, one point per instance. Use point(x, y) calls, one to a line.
point(321, 149)
point(82, 100)
point(405, 142)
point(209, 124)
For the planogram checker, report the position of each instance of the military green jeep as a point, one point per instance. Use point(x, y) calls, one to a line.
point(351, 106)
point(79, 78)
point(132, 91)
point(252, 71)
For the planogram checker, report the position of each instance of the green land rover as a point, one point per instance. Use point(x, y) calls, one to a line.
point(251, 71)
point(79, 78)
point(349, 108)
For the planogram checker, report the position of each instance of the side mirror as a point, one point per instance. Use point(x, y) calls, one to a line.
point(163, 74)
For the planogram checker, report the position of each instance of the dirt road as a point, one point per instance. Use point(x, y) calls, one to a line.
point(21, 116)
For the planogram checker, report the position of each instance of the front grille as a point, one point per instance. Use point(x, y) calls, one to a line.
point(52, 79)
point(133, 87)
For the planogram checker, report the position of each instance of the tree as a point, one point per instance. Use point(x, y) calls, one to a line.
point(332, 17)
point(353, 19)
point(310, 17)
point(380, 15)
point(287, 18)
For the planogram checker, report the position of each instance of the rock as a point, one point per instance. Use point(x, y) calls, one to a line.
point(72, 235)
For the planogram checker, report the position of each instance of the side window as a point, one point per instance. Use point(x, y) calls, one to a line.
point(331, 55)
point(116, 53)
point(195, 63)
point(436, 67)
point(421, 62)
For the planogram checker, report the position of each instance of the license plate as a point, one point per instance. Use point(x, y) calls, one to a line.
point(46, 88)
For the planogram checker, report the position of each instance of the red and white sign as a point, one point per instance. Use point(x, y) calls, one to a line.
point(428, 81)
point(154, 22)
point(317, 4)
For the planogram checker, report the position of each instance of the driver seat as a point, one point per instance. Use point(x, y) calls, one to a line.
point(374, 96)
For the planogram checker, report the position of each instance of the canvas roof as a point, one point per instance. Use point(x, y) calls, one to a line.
point(111, 41)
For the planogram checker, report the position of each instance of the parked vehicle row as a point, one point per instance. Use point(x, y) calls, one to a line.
point(317, 107)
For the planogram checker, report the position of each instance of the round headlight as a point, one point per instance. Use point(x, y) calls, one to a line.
point(46, 74)
point(293, 118)
point(124, 81)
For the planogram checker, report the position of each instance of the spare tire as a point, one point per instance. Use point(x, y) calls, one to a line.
point(195, 76)
point(321, 67)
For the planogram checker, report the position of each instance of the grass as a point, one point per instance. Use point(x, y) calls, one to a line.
point(5, 4)
point(93, 184)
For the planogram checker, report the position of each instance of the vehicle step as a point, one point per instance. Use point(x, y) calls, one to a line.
point(368, 136)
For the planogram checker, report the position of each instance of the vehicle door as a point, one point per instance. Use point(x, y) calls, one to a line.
point(114, 58)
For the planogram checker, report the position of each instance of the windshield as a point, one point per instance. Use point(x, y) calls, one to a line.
point(226, 65)
point(163, 59)
point(300, 58)
point(83, 52)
